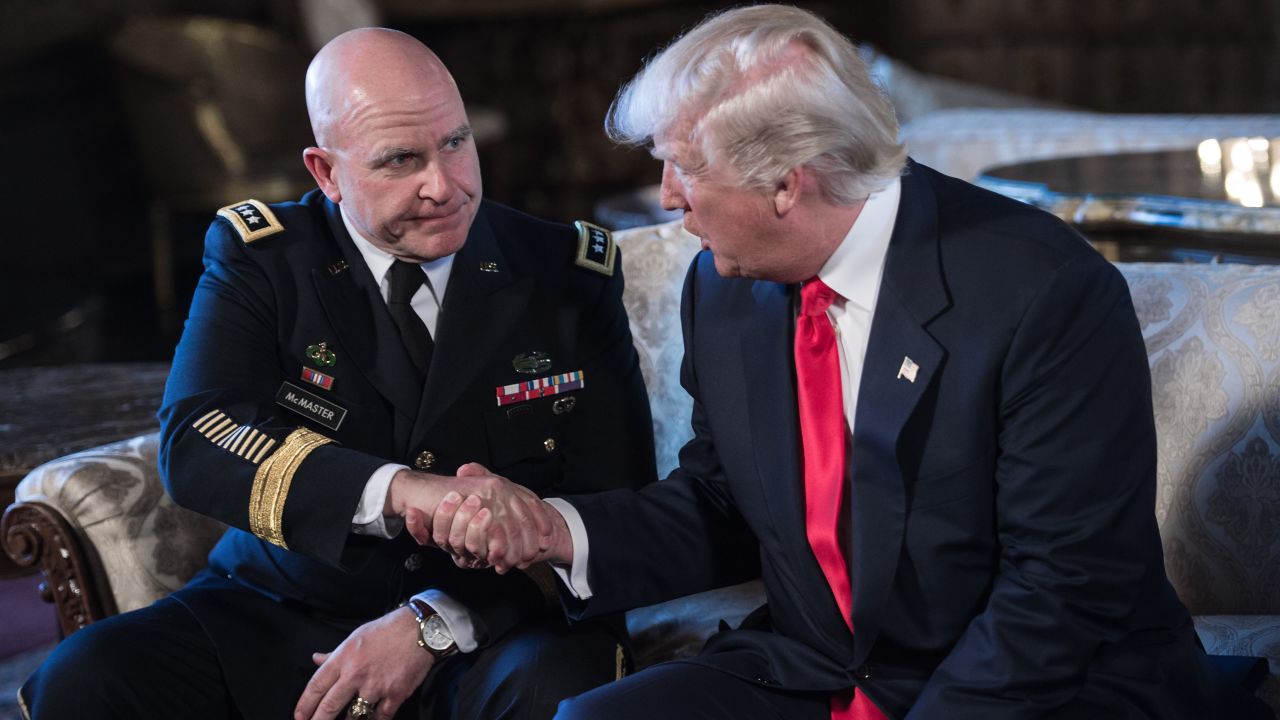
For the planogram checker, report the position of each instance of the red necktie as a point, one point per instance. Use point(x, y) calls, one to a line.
point(821, 402)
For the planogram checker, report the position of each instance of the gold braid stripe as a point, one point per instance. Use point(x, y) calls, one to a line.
point(271, 484)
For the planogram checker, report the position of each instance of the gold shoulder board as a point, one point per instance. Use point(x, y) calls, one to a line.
point(252, 219)
point(596, 250)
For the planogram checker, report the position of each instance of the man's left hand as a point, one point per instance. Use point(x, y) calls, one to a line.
point(381, 662)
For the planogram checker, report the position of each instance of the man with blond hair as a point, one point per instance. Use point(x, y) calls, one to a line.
point(391, 318)
point(921, 412)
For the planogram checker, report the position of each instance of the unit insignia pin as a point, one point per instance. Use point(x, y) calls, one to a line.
point(321, 355)
point(908, 369)
point(338, 267)
point(489, 266)
point(531, 363)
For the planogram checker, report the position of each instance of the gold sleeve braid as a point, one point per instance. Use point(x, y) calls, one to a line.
point(271, 484)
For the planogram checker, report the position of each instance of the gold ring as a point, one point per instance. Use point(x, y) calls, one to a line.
point(360, 708)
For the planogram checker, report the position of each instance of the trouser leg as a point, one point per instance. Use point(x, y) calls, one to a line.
point(154, 662)
point(690, 691)
point(524, 675)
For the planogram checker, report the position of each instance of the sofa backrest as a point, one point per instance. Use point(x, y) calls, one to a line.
point(1213, 341)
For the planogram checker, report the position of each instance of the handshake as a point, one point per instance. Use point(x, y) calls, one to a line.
point(481, 519)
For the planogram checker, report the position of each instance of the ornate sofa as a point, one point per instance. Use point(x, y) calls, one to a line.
point(108, 539)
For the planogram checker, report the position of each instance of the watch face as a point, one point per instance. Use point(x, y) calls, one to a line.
point(436, 635)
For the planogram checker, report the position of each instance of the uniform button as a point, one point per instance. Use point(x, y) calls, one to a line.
point(425, 460)
point(549, 444)
point(413, 563)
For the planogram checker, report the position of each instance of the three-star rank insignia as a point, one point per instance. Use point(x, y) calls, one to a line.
point(596, 250)
point(252, 220)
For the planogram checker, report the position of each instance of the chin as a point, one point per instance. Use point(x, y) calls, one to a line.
point(725, 269)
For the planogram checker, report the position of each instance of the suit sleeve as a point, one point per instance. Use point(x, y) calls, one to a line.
point(674, 537)
point(227, 451)
point(1075, 492)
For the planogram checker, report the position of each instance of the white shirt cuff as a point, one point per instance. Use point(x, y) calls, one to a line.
point(456, 617)
point(575, 576)
point(369, 519)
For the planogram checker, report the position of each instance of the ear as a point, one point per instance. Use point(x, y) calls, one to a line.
point(786, 194)
point(320, 164)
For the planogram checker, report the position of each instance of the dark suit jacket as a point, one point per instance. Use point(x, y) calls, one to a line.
point(257, 309)
point(1004, 550)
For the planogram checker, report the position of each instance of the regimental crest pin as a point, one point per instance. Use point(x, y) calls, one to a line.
point(908, 369)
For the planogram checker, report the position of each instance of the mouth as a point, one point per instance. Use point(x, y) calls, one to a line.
point(437, 218)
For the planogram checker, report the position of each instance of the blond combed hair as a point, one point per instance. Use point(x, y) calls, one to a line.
point(769, 88)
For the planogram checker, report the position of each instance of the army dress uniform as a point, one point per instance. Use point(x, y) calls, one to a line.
point(291, 386)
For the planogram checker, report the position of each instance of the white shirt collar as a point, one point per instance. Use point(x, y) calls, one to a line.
point(855, 268)
point(379, 261)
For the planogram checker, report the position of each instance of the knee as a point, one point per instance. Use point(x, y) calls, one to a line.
point(74, 679)
point(528, 674)
point(583, 707)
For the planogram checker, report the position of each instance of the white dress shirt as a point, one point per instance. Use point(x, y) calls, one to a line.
point(854, 272)
point(368, 519)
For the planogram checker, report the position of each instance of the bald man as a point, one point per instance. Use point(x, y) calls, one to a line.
point(391, 319)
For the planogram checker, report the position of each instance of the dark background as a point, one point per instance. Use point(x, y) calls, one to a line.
point(97, 169)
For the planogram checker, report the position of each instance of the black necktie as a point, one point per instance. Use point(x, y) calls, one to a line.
point(406, 278)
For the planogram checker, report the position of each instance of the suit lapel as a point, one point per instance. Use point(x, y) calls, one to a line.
point(912, 294)
point(770, 385)
point(354, 306)
point(480, 307)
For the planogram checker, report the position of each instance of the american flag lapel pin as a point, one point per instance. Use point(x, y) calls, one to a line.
point(908, 369)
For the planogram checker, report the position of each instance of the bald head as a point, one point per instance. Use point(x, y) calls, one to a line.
point(360, 69)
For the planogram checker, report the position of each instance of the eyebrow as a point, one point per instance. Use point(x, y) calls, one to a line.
point(462, 131)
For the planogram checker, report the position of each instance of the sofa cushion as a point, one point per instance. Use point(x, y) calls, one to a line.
point(1213, 339)
point(146, 545)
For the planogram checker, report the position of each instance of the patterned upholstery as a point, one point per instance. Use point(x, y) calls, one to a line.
point(145, 545)
point(1213, 336)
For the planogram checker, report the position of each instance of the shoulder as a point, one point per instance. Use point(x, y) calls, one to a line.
point(977, 220)
point(259, 229)
point(580, 249)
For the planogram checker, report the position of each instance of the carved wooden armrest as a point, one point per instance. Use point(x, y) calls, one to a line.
point(36, 535)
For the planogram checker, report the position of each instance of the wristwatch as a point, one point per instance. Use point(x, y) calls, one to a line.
point(433, 633)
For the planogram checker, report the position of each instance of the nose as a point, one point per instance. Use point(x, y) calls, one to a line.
point(672, 193)
point(436, 186)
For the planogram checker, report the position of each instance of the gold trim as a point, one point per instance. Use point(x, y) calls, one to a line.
point(243, 441)
point(205, 419)
point(223, 432)
point(620, 664)
point(261, 452)
point(584, 240)
point(248, 234)
point(271, 484)
point(236, 439)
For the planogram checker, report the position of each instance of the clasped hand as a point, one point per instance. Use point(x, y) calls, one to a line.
point(481, 519)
